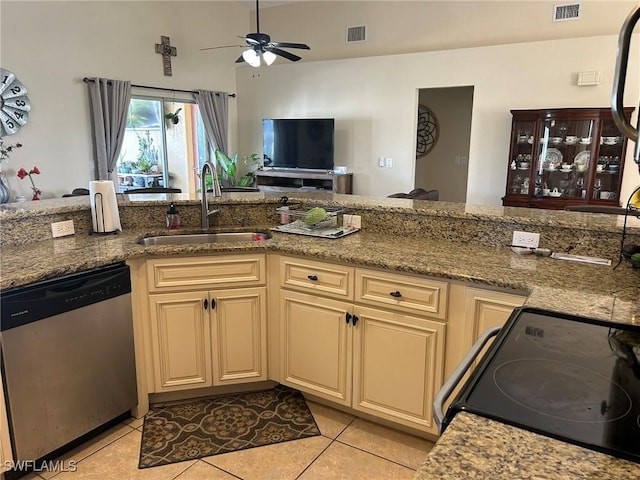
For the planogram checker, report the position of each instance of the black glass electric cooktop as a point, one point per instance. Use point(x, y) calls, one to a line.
point(570, 378)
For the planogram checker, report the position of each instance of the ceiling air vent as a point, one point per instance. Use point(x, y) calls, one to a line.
point(357, 34)
point(567, 11)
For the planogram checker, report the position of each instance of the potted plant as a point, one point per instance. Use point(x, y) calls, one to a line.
point(173, 117)
point(229, 170)
point(147, 154)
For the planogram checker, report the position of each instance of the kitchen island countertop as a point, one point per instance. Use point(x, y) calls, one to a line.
point(475, 448)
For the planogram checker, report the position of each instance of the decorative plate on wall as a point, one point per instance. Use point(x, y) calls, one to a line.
point(427, 131)
point(14, 104)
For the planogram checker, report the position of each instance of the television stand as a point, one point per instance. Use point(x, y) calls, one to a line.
point(303, 180)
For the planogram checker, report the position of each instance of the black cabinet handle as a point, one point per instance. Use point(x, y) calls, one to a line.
point(348, 318)
point(312, 277)
point(213, 304)
point(206, 303)
point(395, 294)
point(354, 320)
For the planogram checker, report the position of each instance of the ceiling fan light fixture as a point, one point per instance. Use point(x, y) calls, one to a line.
point(260, 45)
point(269, 57)
point(251, 57)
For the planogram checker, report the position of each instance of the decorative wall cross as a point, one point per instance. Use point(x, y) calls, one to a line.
point(165, 49)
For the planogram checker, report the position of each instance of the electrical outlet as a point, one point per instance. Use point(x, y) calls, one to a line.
point(351, 221)
point(525, 239)
point(381, 161)
point(388, 162)
point(62, 229)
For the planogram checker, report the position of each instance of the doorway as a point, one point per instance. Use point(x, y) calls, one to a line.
point(444, 166)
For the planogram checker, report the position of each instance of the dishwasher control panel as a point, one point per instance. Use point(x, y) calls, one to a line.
point(58, 295)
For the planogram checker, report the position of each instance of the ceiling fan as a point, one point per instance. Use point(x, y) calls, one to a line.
point(260, 45)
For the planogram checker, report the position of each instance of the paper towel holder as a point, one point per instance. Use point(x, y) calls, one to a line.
point(98, 196)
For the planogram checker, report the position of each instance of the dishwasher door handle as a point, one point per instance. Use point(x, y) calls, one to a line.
point(458, 373)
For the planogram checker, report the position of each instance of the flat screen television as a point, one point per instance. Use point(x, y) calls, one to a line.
point(298, 143)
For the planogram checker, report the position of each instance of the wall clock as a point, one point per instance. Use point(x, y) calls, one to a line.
point(427, 131)
point(14, 104)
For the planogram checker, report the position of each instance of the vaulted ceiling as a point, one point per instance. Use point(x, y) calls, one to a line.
point(395, 27)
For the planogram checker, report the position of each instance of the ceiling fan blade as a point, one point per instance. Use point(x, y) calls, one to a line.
point(221, 46)
point(282, 53)
point(240, 59)
point(290, 45)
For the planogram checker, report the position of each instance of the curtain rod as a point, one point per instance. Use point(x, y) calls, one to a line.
point(86, 80)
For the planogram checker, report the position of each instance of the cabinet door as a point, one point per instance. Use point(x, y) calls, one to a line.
point(180, 336)
point(239, 336)
point(398, 366)
point(521, 157)
point(485, 309)
point(315, 345)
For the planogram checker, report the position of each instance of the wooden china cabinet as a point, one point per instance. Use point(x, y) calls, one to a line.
point(565, 156)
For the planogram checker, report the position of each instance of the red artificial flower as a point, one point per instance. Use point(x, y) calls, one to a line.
point(35, 170)
point(23, 173)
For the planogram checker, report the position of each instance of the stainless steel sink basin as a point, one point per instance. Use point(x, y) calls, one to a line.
point(200, 238)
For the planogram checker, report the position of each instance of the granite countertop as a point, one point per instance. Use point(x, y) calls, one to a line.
point(475, 448)
point(588, 290)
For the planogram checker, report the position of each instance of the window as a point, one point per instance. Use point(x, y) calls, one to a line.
point(162, 152)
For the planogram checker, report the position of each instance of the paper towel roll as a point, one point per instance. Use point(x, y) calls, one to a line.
point(104, 207)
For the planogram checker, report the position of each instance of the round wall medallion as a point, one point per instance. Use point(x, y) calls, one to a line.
point(14, 104)
point(427, 131)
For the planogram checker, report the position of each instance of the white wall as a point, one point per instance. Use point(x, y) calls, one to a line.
point(51, 46)
point(374, 102)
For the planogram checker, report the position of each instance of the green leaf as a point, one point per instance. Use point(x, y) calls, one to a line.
point(223, 161)
point(246, 180)
point(170, 115)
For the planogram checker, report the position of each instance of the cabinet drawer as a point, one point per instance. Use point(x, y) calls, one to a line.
point(317, 277)
point(402, 292)
point(207, 272)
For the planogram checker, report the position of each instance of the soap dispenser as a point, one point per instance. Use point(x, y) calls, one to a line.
point(173, 219)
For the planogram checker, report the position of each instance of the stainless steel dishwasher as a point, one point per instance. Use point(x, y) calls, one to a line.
point(67, 358)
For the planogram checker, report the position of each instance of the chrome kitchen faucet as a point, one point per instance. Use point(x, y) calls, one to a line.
point(203, 188)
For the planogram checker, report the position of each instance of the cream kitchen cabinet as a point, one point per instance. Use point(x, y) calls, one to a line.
point(316, 352)
point(346, 336)
point(485, 309)
point(181, 339)
point(472, 310)
point(203, 337)
point(397, 366)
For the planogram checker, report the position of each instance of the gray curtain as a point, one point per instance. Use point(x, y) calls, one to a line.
point(109, 107)
point(214, 110)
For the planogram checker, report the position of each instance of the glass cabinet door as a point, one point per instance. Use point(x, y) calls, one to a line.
point(522, 147)
point(608, 177)
point(564, 158)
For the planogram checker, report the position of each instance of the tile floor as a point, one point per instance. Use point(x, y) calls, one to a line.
point(349, 448)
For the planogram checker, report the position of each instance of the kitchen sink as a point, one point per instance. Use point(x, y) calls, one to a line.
point(200, 238)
